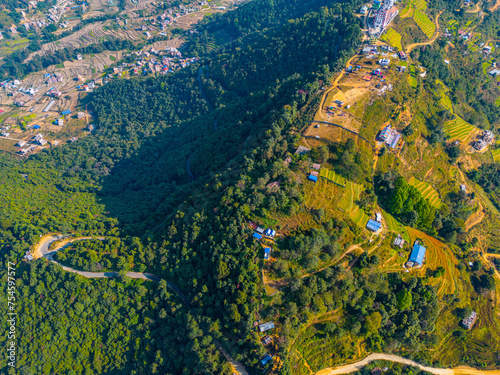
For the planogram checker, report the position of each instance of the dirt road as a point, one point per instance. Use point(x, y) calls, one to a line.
point(347, 369)
point(411, 47)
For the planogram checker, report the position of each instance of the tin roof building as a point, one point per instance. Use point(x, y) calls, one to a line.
point(417, 254)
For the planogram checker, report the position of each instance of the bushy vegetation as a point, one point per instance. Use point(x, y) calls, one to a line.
point(405, 202)
point(180, 179)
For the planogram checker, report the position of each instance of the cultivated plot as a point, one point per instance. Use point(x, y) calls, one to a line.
point(427, 191)
point(459, 129)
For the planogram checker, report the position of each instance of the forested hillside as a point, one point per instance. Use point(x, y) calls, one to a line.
point(177, 172)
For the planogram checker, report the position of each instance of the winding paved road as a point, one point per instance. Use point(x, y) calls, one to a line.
point(42, 251)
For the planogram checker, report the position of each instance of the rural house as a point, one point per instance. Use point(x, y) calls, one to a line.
point(266, 326)
point(417, 255)
point(470, 320)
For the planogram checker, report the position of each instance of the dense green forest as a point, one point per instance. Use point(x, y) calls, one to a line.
point(176, 174)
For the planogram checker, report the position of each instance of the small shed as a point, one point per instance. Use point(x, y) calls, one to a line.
point(378, 217)
point(259, 230)
point(463, 187)
point(266, 326)
point(266, 339)
point(270, 232)
point(313, 178)
point(316, 166)
point(257, 236)
point(470, 320)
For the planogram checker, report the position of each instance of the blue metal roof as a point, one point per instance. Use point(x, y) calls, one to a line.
point(265, 360)
point(313, 178)
point(267, 250)
point(373, 225)
point(395, 141)
point(66, 112)
point(417, 254)
point(257, 235)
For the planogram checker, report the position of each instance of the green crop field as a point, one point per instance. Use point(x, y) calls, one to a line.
point(459, 129)
point(427, 191)
point(419, 4)
point(393, 38)
point(332, 176)
point(496, 154)
point(446, 102)
point(359, 217)
point(426, 25)
point(413, 5)
point(497, 102)
point(352, 192)
point(396, 226)
point(412, 81)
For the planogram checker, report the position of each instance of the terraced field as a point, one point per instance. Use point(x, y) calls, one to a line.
point(459, 129)
point(426, 25)
point(395, 226)
point(393, 38)
point(427, 191)
point(496, 154)
point(408, 10)
point(351, 194)
point(332, 176)
point(438, 254)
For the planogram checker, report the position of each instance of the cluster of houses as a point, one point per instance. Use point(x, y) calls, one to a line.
point(25, 147)
point(483, 140)
point(260, 233)
point(264, 327)
point(11, 86)
point(155, 61)
point(314, 174)
point(390, 137)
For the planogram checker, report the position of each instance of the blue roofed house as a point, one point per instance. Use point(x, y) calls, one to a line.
point(417, 255)
point(257, 236)
point(66, 112)
point(313, 178)
point(270, 232)
point(373, 225)
point(267, 252)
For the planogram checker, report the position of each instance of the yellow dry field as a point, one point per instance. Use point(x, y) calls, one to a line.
point(437, 255)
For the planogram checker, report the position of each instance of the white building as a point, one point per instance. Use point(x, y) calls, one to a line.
point(384, 16)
